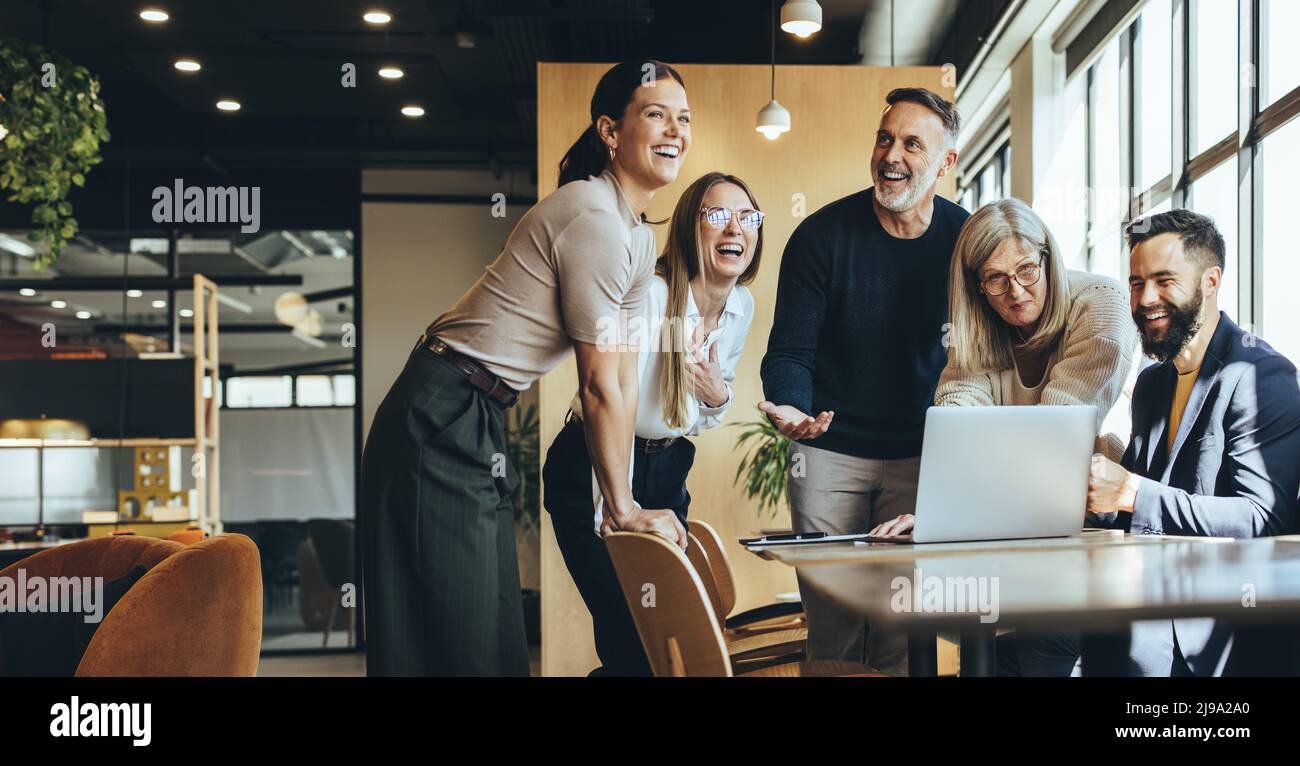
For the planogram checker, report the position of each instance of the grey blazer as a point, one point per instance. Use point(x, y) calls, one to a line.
point(1234, 471)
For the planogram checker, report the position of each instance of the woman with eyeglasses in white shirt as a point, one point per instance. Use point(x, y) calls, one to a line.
point(698, 314)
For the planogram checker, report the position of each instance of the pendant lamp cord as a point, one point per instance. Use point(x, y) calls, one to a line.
point(773, 50)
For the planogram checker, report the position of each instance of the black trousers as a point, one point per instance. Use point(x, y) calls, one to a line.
point(658, 481)
point(441, 575)
point(1037, 654)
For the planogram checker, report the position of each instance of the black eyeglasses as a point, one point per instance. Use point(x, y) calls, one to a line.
point(718, 217)
point(1026, 276)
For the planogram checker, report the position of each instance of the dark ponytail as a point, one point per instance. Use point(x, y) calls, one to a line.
point(589, 156)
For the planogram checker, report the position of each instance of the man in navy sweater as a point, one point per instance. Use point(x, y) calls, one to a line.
point(857, 337)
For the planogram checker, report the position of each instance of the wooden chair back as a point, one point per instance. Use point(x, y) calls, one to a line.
point(719, 564)
point(704, 568)
point(679, 631)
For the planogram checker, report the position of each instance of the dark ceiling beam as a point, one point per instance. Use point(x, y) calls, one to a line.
point(325, 295)
point(332, 159)
point(92, 284)
point(531, 9)
point(331, 365)
point(231, 328)
point(339, 54)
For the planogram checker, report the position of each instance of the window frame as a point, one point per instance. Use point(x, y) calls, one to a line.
point(995, 154)
point(1253, 126)
point(293, 391)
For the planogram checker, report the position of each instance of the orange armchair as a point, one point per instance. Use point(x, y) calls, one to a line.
point(196, 612)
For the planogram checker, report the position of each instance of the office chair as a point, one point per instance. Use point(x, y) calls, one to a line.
point(678, 628)
point(777, 616)
point(787, 645)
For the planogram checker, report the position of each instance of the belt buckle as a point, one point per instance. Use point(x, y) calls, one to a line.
point(492, 392)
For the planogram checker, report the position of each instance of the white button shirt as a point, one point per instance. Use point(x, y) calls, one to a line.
point(733, 326)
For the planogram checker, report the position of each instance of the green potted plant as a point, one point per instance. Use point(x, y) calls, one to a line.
point(522, 446)
point(765, 466)
point(52, 122)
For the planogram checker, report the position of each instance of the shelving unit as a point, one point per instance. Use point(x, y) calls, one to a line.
point(207, 425)
point(205, 468)
point(94, 443)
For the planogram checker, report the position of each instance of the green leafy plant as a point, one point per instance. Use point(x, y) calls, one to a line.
point(52, 122)
point(522, 442)
point(764, 466)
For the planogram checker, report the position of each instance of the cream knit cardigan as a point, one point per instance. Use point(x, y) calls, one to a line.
point(1096, 362)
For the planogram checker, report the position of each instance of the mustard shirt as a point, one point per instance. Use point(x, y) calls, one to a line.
point(1182, 391)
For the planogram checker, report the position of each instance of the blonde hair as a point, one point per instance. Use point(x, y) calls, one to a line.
point(677, 266)
point(980, 340)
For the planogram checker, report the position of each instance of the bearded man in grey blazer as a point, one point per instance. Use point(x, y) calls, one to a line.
point(1215, 446)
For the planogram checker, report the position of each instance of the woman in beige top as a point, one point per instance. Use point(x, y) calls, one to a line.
point(1026, 331)
point(441, 581)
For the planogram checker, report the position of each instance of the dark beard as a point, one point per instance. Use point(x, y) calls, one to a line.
point(1184, 323)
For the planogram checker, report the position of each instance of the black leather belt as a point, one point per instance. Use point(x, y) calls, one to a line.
point(479, 376)
point(648, 446)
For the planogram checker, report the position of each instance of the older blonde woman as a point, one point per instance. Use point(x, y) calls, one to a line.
point(1024, 330)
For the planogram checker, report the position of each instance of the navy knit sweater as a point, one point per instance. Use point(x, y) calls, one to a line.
point(859, 325)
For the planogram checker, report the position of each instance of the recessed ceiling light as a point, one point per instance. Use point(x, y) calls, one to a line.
point(159, 304)
point(187, 313)
point(27, 292)
point(10, 244)
point(228, 105)
point(156, 15)
point(134, 293)
point(391, 73)
point(58, 304)
point(83, 315)
point(377, 17)
point(413, 111)
point(187, 65)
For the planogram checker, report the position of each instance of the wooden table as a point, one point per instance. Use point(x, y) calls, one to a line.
point(1098, 584)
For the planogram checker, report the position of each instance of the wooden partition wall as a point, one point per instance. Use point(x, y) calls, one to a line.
point(834, 114)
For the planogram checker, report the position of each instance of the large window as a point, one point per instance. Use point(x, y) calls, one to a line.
point(1280, 56)
point(1153, 93)
point(278, 391)
point(259, 391)
point(1281, 156)
point(1214, 72)
point(1164, 100)
point(1108, 201)
point(1215, 195)
point(991, 181)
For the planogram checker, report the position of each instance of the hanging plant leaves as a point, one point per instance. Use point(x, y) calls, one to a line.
point(52, 123)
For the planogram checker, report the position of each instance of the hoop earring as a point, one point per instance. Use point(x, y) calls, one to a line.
point(611, 154)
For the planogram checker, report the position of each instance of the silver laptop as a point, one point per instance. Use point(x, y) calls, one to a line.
point(999, 473)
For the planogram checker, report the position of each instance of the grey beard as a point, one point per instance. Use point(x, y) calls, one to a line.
point(909, 197)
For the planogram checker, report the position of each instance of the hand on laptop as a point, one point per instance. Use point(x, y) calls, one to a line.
point(899, 526)
point(793, 423)
point(1110, 487)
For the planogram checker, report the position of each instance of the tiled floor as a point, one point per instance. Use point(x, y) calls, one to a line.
point(340, 665)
